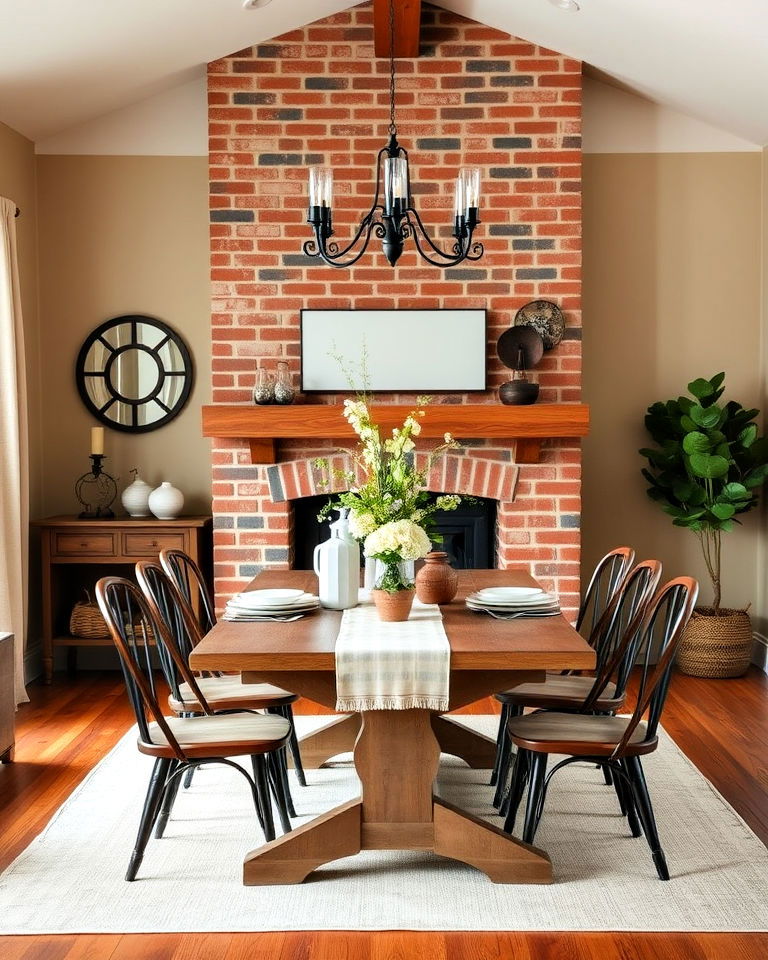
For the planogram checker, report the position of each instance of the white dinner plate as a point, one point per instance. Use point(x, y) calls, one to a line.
point(269, 598)
point(310, 604)
point(544, 600)
point(513, 608)
point(510, 593)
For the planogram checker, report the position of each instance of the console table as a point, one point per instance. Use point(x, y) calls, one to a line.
point(76, 553)
point(7, 698)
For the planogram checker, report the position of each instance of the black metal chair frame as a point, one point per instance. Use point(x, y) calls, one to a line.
point(605, 581)
point(631, 596)
point(188, 579)
point(132, 625)
point(654, 636)
point(167, 604)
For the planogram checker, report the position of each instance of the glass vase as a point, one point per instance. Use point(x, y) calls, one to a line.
point(264, 391)
point(284, 392)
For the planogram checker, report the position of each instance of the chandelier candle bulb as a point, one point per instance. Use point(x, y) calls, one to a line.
point(470, 177)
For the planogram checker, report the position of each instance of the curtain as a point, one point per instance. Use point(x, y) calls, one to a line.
point(14, 485)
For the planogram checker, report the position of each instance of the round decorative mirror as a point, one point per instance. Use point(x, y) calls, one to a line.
point(134, 373)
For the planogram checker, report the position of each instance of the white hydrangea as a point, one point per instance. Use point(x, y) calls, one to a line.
point(361, 524)
point(403, 537)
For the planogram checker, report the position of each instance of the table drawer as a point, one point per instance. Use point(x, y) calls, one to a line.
point(150, 544)
point(84, 544)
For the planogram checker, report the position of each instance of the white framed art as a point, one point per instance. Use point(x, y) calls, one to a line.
point(413, 351)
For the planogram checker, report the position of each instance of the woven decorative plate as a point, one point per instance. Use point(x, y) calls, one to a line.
point(546, 318)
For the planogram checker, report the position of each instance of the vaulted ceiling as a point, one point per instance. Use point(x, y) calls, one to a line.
point(64, 63)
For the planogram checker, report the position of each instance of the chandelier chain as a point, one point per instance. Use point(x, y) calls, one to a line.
point(392, 125)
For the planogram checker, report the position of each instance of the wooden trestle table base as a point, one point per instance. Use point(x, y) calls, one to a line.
point(396, 752)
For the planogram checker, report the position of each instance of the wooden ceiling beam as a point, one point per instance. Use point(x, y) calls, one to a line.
point(407, 27)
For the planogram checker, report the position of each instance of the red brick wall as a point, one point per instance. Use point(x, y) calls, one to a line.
point(317, 95)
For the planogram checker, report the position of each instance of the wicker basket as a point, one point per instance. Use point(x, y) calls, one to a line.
point(716, 646)
point(87, 622)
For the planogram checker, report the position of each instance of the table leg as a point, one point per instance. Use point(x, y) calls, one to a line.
point(292, 857)
point(474, 748)
point(396, 757)
point(336, 737)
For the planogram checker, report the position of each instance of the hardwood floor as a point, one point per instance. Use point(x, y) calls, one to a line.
point(721, 724)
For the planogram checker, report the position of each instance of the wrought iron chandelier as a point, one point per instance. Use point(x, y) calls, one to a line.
point(395, 219)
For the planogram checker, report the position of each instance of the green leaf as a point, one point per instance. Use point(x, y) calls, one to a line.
point(748, 435)
point(687, 424)
point(756, 477)
point(696, 442)
point(735, 491)
point(703, 465)
point(707, 417)
point(723, 511)
point(684, 490)
point(724, 451)
point(717, 380)
point(701, 388)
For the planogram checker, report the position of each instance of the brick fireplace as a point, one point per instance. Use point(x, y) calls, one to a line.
point(317, 95)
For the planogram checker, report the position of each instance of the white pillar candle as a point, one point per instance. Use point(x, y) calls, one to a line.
point(97, 441)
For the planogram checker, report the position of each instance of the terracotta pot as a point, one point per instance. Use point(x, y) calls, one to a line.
point(393, 607)
point(437, 581)
point(716, 646)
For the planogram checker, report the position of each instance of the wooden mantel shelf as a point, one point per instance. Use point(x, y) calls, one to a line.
point(263, 426)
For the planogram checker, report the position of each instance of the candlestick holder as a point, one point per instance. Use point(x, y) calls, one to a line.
point(96, 491)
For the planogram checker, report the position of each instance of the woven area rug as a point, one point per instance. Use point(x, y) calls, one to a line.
point(70, 879)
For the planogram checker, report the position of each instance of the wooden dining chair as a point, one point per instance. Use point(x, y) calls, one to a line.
point(615, 741)
point(568, 692)
point(224, 694)
point(179, 744)
point(607, 577)
point(225, 690)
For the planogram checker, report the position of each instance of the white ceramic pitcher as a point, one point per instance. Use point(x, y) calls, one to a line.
point(337, 565)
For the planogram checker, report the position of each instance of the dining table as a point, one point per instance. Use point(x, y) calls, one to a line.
point(397, 752)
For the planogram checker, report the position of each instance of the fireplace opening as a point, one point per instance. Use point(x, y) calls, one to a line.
point(469, 533)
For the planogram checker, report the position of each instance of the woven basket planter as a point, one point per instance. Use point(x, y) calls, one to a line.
point(87, 622)
point(716, 646)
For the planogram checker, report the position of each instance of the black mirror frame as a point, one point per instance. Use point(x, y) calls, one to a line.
point(170, 334)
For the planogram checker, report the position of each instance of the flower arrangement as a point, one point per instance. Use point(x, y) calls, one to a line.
point(389, 507)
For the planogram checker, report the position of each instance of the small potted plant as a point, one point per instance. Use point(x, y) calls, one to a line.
point(706, 470)
point(394, 544)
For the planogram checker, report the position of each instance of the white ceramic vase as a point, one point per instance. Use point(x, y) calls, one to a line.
point(135, 498)
point(166, 501)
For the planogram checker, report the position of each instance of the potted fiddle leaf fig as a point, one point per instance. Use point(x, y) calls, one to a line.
point(705, 471)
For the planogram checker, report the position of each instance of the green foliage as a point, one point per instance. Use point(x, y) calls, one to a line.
point(707, 464)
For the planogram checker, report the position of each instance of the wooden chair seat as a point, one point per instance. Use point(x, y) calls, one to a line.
point(224, 735)
point(561, 692)
point(578, 735)
point(230, 693)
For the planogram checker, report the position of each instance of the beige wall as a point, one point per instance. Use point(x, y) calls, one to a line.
point(672, 288)
point(122, 235)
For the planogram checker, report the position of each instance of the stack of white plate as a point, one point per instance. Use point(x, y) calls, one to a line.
point(512, 602)
point(277, 604)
